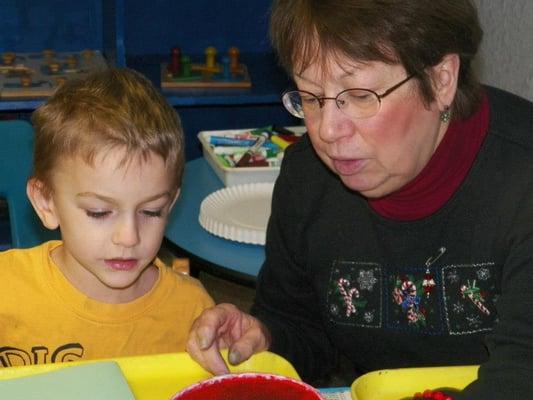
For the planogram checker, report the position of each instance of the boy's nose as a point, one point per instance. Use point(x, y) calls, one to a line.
point(126, 233)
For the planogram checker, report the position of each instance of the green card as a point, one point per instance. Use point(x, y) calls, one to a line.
point(99, 380)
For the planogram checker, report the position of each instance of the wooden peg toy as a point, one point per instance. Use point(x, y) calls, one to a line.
point(181, 72)
point(37, 74)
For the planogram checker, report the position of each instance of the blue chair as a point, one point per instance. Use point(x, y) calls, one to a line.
point(16, 151)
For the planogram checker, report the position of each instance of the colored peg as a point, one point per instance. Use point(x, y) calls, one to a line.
point(210, 54)
point(233, 54)
point(175, 64)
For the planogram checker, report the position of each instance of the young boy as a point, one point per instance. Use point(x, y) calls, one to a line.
point(108, 163)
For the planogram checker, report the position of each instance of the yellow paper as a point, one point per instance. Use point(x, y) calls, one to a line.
point(159, 377)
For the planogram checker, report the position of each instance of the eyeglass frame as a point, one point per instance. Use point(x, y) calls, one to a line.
point(321, 100)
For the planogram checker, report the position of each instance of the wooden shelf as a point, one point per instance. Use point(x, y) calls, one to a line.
point(140, 34)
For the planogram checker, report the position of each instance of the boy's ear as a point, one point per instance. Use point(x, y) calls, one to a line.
point(445, 79)
point(42, 202)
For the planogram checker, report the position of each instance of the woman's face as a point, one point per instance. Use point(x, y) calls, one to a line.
point(377, 155)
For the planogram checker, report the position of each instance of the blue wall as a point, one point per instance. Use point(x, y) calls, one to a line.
point(62, 25)
point(153, 27)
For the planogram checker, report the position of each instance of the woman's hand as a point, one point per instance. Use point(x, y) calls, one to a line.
point(225, 326)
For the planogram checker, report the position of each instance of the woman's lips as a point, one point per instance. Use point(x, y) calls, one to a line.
point(121, 264)
point(348, 167)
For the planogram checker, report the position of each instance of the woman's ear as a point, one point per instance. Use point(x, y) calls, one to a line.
point(42, 202)
point(445, 79)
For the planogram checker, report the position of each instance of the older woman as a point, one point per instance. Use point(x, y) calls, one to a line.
point(401, 232)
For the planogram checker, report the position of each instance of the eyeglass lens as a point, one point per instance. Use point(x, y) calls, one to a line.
point(356, 103)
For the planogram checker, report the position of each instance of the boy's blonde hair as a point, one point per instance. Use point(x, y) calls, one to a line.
point(110, 108)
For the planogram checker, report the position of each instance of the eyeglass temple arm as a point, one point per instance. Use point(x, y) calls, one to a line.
point(392, 89)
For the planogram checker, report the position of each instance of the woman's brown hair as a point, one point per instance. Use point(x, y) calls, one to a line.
point(414, 33)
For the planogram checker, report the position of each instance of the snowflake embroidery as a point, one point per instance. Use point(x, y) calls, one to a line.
point(483, 274)
point(366, 280)
point(334, 309)
point(473, 321)
point(368, 317)
point(458, 308)
point(453, 276)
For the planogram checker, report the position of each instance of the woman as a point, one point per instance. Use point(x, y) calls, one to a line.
point(401, 232)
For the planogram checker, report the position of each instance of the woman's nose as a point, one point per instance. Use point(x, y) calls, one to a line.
point(126, 232)
point(334, 124)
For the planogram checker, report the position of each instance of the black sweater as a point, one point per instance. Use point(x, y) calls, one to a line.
point(338, 278)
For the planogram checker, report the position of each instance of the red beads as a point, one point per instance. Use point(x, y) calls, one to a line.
point(431, 395)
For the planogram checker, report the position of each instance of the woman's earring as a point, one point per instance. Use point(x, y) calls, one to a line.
point(446, 115)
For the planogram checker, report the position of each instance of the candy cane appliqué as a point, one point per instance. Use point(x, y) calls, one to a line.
point(474, 294)
point(348, 295)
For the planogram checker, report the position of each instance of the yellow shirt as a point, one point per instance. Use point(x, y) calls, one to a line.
point(44, 319)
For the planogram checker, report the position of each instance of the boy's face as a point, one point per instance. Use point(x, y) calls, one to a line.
point(112, 220)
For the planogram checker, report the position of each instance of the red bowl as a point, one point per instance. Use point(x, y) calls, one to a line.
point(247, 386)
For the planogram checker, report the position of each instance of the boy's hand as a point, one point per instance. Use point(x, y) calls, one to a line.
point(225, 326)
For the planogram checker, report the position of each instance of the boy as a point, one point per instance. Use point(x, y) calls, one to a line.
point(108, 162)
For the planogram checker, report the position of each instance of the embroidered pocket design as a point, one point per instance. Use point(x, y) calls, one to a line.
point(406, 295)
point(470, 298)
point(354, 294)
point(415, 301)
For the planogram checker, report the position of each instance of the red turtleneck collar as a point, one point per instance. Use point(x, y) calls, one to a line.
point(443, 174)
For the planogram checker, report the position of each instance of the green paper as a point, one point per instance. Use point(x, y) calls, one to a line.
point(99, 380)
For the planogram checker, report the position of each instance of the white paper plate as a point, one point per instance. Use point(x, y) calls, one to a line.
point(238, 213)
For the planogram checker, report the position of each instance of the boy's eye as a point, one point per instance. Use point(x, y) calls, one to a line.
point(97, 214)
point(152, 213)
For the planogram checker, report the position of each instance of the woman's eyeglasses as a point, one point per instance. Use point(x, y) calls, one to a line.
point(355, 103)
